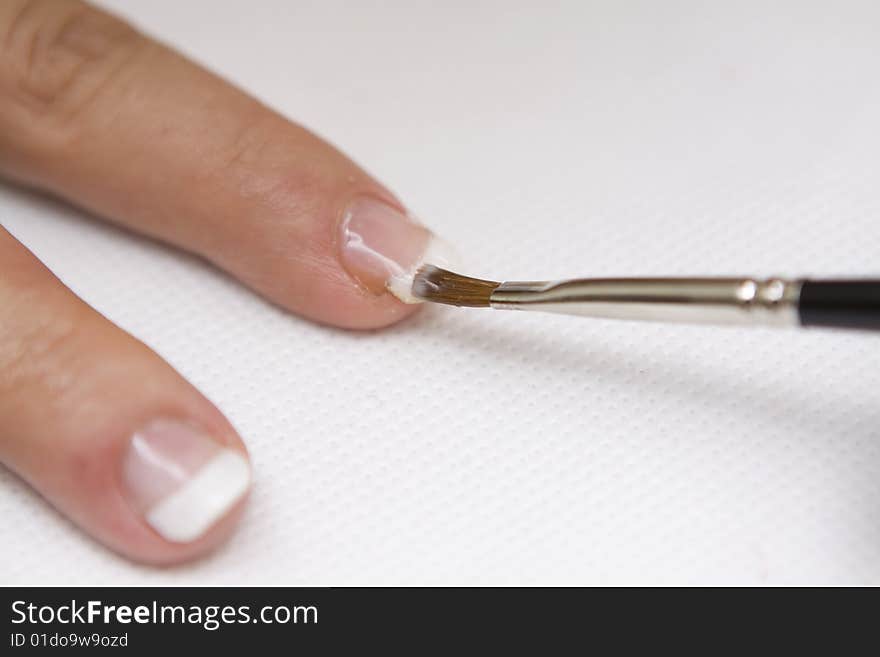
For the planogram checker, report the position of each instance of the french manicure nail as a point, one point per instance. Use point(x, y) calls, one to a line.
point(180, 480)
point(382, 248)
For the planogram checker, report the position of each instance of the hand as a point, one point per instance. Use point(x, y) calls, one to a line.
point(93, 111)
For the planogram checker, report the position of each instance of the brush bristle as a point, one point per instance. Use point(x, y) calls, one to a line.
point(440, 286)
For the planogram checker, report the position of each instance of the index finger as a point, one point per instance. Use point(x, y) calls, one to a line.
point(108, 118)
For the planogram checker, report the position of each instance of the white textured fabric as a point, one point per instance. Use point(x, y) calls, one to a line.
point(584, 138)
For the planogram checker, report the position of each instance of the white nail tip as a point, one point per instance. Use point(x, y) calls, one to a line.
point(437, 253)
point(189, 511)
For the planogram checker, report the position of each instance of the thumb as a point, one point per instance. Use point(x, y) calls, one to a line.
point(119, 124)
point(106, 430)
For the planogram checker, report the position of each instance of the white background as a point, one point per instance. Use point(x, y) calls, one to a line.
point(544, 140)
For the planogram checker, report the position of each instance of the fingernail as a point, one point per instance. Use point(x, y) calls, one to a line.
point(382, 248)
point(182, 481)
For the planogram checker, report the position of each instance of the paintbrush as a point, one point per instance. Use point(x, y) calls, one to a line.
point(734, 300)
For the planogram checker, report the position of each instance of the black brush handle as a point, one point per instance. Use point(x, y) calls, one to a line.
point(840, 304)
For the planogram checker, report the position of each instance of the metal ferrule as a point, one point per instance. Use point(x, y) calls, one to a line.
point(771, 302)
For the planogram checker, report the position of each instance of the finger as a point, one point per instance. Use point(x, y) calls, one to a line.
point(104, 429)
point(95, 112)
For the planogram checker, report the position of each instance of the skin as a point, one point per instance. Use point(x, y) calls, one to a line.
point(96, 113)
